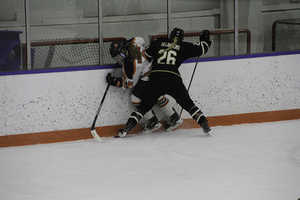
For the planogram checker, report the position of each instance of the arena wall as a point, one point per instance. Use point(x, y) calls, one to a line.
point(57, 105)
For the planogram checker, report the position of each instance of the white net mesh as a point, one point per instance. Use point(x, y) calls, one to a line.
point(222, 41)
point(69, 52)
point(286, 35)
point(85, 51)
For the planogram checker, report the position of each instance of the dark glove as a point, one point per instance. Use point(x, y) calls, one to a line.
point(205, 35)
point(114, 81)
point(109, 78)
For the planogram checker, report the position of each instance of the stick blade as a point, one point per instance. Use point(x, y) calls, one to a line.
point(96, 136)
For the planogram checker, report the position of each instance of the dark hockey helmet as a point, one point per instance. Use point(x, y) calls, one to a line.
point(177, 32)
point(116, 48)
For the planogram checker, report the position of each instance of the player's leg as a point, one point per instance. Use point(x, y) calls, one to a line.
point(149, 99)
point(152, 122)
point(183, 99)
point(198, 116)
point(174, 119)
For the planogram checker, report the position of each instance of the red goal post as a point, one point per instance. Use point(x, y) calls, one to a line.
point(222, 41)
point(57, 53)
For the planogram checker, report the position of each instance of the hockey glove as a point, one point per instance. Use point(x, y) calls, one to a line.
point(114, 81)
point(205, 35)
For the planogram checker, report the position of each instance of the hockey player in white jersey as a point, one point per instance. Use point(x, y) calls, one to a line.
point(136, 70)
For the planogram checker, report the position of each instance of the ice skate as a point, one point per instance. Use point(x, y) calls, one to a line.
point(151, 125)
point(204, 124)
point(173, 122)
point(123, 131)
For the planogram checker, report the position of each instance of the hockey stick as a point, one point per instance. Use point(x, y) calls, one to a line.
point(191, 80)
point(93, 131)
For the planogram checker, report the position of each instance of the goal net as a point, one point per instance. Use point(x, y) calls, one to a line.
point(68, 52)
point(222, 41)
point(59, 53)
point(286, 35)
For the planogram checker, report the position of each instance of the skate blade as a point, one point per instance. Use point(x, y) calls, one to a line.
point(157, 126)
point(178, 123)
point(120, 135)
point(208, 134)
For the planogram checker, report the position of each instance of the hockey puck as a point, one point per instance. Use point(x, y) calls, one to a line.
point(116, 136)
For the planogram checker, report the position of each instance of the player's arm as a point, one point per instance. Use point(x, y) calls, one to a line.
point(150, 51)
point(129, 68)
point(199, 48)
point(147, 56)
point(122, 82)
point(146, 70)
point(205, 41)
point(114, 81)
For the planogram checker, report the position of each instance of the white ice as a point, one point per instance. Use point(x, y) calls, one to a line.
point(241, 162)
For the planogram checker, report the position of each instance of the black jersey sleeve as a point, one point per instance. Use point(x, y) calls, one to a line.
point(151, 50)
point(192, 50)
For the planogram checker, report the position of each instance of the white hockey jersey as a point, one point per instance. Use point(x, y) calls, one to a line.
point(137, 69)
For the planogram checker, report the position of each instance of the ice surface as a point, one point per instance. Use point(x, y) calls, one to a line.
point(241, 162)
